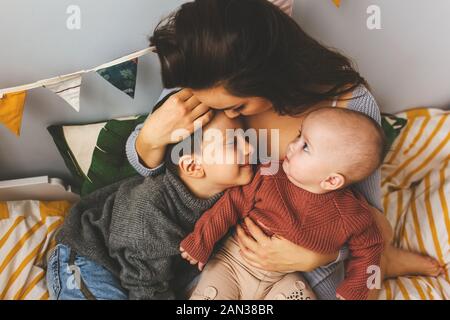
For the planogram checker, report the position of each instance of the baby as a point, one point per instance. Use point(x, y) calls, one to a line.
point(309, 202)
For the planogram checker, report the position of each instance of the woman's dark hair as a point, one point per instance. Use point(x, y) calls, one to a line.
point(253, 49)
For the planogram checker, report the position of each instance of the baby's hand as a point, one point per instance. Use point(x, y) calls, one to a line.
point(191, 260)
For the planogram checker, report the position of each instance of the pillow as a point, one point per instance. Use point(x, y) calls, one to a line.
point(95, 153)
point(392, 126)
point(27, 229)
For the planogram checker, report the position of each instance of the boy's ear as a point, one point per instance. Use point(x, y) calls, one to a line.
point(334, 181)
point(190, 167)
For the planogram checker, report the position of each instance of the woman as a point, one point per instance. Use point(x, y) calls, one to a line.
point(248, 58)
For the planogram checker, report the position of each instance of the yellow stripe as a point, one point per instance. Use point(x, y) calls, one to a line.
point(443, 198)
point(19, 270)
point(401, 233)
point(386, 202)
point(443, 294)
point(397, 224)
point(402, 229)
point(4, 212)
point(11, 229)
point(444, 206)
point(54, 208)
point(441, 290)
point(20, 244)
point(416, 224)
point(406, 237)
point(434, 235)
point(50, 246)
point(418, 288)
point(45, 296)
point(430, 287)
point(427, 160)
point(401, 140)
point(418, 112)
point(399, 205)
point(29, 258)
point(419, 152)
point(22, 293)
point(418, 135)
point(402, 289)
point(388, 290)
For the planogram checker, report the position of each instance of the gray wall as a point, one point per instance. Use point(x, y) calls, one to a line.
point(406, 63)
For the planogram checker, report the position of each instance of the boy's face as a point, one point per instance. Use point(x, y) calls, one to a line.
point(226, 154)
point(309, 158)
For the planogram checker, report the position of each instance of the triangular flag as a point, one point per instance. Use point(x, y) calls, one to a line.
point(11, 110)
point(122, 76)
point(68, 88)
point(337, 3)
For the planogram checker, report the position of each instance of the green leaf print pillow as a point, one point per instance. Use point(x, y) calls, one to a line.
point(392, 126)
point(95, 153)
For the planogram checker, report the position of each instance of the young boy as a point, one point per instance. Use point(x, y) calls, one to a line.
point(308, 202)
point(121, 242)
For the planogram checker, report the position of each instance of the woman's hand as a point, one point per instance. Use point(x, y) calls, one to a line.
point(180, 111)
point(276, 253)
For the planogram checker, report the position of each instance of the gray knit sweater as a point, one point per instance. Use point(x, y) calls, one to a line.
point(363, 102)
point(134, 228)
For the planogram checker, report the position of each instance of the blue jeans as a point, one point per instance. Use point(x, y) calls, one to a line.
point(77, 278)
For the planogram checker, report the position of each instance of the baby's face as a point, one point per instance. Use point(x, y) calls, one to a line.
point(226, 162)
point(311, 156)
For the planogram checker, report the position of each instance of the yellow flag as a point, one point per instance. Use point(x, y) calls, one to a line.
point(11, 110)
point(337, 3)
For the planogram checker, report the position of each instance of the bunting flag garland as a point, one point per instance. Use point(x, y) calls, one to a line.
point(11, 110)
point(68, 88)
point(337, 3)
point(121, 73)
point(122, 76)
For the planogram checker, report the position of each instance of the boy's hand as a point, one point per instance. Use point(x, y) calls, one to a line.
point(191, 260)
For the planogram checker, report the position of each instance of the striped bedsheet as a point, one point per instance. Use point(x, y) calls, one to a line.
point(416, 189)
point(26, 234)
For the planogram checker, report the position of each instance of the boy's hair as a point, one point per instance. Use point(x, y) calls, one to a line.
point(368, 150)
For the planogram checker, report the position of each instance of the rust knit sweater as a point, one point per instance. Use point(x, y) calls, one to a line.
point(319, 222)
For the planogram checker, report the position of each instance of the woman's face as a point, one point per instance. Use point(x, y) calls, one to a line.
point(219, 99)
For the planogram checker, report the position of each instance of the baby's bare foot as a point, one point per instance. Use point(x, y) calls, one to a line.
point(400, 262)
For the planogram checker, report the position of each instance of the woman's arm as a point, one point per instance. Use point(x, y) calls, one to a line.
point(146, 146)
point(276, 253)
point(134, 159)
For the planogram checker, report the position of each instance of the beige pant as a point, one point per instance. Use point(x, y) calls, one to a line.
point(227, 276)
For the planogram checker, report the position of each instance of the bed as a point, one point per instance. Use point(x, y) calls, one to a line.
point(415, 185)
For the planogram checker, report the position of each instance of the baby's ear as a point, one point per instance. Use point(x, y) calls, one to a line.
point(334, 181)
point(190, 167)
